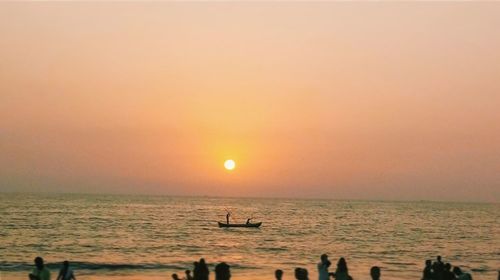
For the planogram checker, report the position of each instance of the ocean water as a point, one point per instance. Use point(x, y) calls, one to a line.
point(151, 237)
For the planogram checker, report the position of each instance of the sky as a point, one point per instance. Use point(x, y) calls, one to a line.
point(341, 100)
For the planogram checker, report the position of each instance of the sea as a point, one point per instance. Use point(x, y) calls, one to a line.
point(138, 237)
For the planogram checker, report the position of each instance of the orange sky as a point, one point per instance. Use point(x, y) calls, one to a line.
point(335, 100)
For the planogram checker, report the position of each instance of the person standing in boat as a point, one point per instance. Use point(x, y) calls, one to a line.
point(227, 217)
point(248, 221)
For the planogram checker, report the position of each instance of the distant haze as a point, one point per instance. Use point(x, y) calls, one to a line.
point(368, 100)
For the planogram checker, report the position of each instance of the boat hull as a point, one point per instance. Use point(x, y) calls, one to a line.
point(251, 225)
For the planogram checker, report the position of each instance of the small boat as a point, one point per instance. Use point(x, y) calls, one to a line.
point(254, 225)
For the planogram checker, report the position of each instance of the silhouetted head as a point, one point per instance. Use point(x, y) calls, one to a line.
point(301, 274)
point(428, 263)
point(447, 266)
point(305, 274)
point(175, 277)
point(438, 258)
point(39, 263)
point(375, 272)
point(222, 271)
point(342, 265)
point(457, 270)
point(188, 272)
point(202, 262)
point(65, 264)
point(324, 257)
point(278, 274)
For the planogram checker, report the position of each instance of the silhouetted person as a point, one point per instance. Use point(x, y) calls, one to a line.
point(460, 274)
point(248, 220)
point(342, 272)
point(323, 266)
point(203, 271)
point(66, 273)
point(175, 277)
point(222, 271)
point(427, 273)
point(439, 261)
point(279, 274)
point(438, 269)
point(188, 275)
point(301, 274)
point(196, 274)
point(375, 273)
point(40, 272)
point(447, 273)
point(227, 217)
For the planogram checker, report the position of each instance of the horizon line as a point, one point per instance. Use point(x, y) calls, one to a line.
point(248, 197)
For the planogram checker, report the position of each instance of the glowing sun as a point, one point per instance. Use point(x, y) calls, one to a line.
point(229, 164)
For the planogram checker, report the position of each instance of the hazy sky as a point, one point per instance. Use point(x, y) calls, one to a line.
point(367, 100)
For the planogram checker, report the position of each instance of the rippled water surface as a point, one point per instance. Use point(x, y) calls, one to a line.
point(146, 237)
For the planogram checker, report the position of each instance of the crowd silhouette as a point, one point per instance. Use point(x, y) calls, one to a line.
point(437, 270)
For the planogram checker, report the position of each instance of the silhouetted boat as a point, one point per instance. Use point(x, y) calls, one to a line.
point(240, 225)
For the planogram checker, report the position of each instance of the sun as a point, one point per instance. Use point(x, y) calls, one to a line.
point(229, 164)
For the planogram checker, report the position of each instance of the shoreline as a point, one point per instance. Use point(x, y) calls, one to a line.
point(356, 273)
